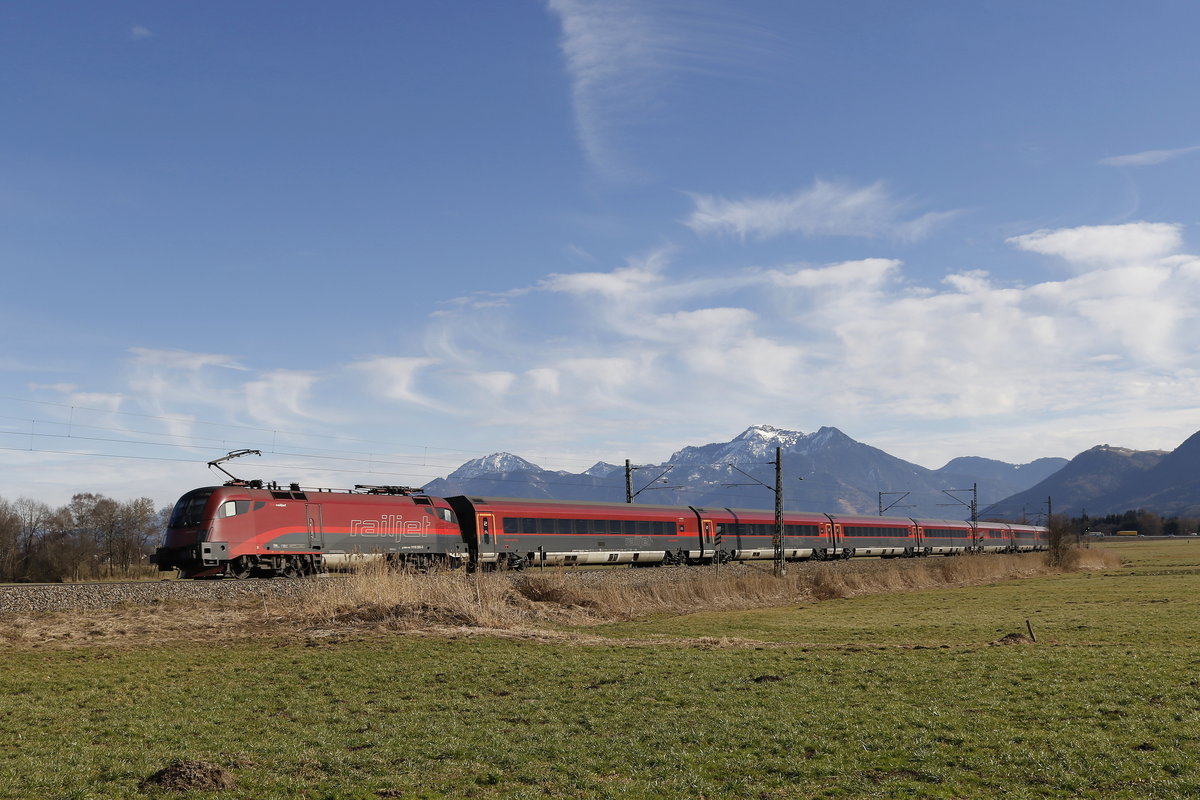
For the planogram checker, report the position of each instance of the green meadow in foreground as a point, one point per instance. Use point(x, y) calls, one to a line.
point(900, 695)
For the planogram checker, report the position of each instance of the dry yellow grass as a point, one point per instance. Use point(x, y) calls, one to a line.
point(512, 604)
point(506, 601)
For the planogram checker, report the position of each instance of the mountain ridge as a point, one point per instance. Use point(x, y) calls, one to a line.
point(826, 470)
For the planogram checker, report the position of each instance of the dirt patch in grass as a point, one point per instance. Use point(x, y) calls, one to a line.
point(189, 776)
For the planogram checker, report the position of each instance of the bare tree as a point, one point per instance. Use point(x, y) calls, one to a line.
point(35, 517)
point(1062, 541)
point(135, 525)
point(10, 541)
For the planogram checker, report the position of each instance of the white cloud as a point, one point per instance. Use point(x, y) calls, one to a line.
point(393, 377)
point(495, 382)
point(1148, 157)
point(279, 391)
point(140, 32)
point(1104, 245)
point(865, 273)
point(824, 209)
point(637, 350)
point(618, 283)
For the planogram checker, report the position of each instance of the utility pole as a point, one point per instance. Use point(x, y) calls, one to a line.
point(780, 567)
point(630, 493)
point(973, 505)
point(892, 504)
point(777, 539)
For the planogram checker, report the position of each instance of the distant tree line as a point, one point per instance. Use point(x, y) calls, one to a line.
point(92, 537)
point(1147, 523)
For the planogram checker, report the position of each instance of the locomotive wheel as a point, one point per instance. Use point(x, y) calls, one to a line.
point(291, 569)
point(241, 568)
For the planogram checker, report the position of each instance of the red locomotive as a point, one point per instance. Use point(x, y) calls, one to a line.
point(245, 529)
point(251, 530)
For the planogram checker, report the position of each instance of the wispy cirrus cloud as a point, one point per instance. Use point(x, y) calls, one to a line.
point(1148, 157)
point(826, 208)
point(620, 55)
point(138, 32)
point(395, 377)
point(182, 359)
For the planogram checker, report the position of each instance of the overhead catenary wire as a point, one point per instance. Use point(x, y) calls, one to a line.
point(424, 449)
point(616, 480)
point(374, 464)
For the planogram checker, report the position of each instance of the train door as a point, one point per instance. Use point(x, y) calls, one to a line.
point(316, 527)
point(706, 537)
point(488, 536)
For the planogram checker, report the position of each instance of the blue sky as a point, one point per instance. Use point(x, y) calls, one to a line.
point(378, 239)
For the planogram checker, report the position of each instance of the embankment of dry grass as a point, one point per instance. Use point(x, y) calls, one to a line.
point(514, 603)
point(506, 601)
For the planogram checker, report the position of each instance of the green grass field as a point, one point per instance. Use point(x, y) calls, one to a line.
point(900, 695)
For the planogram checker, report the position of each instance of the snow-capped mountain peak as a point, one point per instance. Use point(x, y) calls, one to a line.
point(602, 469)
point(769, 434)
point(496, 463)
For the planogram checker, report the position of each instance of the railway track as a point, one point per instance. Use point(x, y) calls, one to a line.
point(34, 597)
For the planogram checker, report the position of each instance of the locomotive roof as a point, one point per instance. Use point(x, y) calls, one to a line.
point(581, 504)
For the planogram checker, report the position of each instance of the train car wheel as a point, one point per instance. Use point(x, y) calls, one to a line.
point(291, 569)
point(241, 568)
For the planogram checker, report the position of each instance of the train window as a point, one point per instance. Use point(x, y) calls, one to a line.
point(547, 526)
point(510, 525)
point(231, 508)
point(529, 525)
point(189, 511)
point(643, 529)
point(583, 527)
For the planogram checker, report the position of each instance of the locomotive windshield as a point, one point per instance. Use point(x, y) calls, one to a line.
point(189, 511)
